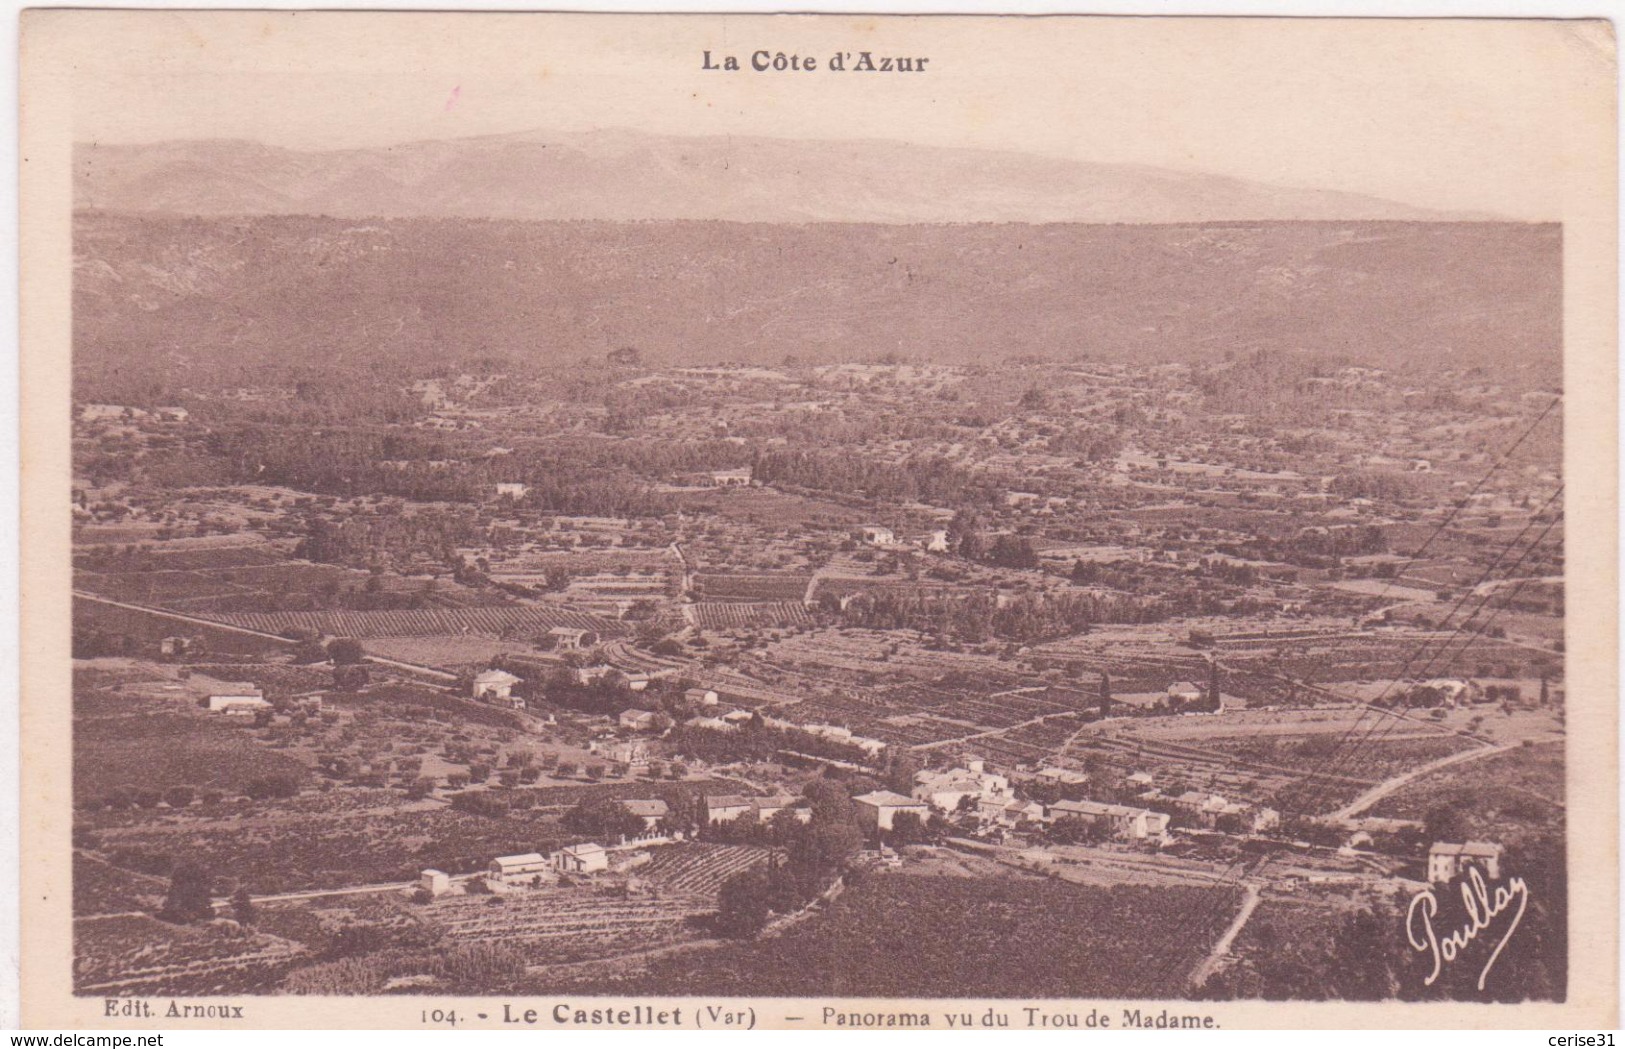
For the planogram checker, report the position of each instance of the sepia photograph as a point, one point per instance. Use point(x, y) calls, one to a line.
point(610, 509)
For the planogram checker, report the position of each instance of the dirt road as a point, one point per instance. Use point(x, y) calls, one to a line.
point(1388, 786)
point(1222, 948)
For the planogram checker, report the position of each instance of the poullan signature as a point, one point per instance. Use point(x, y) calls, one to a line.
point(1483, 907)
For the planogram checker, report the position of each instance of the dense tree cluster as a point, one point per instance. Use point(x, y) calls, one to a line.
point(815, 854)
point(974, 618)
point(758, 741)
point(931, 480)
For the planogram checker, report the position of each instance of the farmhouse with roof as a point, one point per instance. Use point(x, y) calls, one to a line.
point(650, 811)
point(725, 808)
point(1184, 691)
point(1448, 860)
point(876, 535)
point(638, 720)
point(879, 809)
point(245, 702)
point(1121, 821)
point(946, 790)
point(581, 859)
point(494, 685)
point(623, 751)
point(518, 867)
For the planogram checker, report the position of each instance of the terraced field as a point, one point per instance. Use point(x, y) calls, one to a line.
point(751, 587)
point(724, 615)
point(439, 622)
point(700, 867)
point(566, 925)
point(141, 955)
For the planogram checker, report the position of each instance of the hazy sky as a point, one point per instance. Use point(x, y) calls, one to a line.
point(1454, 115)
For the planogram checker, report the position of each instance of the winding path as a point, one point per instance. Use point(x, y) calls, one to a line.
point(1388, 786)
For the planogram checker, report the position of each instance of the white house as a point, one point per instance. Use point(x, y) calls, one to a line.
point(523, 865)
point(1447, 860)
point(625, 751)
point(946, 790)
point(1184, 691)
point(581, 859)
point(1009, 814)
point(638, 720)
point(879, 809)
point(512, 490)
point(588, 675)
point(650, 811)
point(1202, 807)
point(705, 697)
point(937, 542)
point(494, 684)
point(725, 808)
point(434, 882)
point(245, 703)
point(875, 535)
point(1121, 821)
point(1061, 777)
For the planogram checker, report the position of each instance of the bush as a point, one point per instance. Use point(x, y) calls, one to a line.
point(481, 803)
point(345, 651)
point(190, 898)
point(280, 785)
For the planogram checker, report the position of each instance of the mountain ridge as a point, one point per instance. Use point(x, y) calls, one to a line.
point(622, 175)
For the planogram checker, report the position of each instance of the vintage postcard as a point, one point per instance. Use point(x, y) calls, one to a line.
point(595, 521)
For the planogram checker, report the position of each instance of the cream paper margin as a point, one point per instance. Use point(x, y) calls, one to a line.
point(1583, 192)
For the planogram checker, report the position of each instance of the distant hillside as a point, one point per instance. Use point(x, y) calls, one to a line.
point(620, 175)
point(218, 296)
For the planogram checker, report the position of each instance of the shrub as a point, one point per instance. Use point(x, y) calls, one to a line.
point(189, 898)
point(279, 785)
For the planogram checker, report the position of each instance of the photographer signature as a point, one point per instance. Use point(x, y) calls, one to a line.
point(1482, 906)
